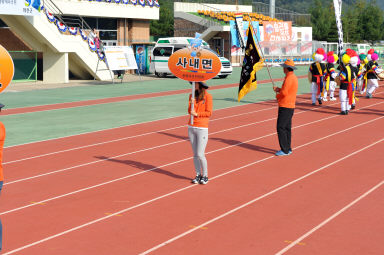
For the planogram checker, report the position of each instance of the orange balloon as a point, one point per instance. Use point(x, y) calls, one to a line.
point(7, 68)
point(204, 66)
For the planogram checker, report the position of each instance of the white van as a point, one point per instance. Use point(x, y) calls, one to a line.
point(165, 47)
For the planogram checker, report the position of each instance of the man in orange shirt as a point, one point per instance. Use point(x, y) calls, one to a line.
point(286, 96)
point(2, 138)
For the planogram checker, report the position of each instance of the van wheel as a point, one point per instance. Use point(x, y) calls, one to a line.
point(223, 76)
point(161, 75)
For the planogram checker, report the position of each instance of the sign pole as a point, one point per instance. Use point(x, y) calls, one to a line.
point(193, 99)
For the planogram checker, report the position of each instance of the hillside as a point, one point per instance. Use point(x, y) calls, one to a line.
point(300, 6)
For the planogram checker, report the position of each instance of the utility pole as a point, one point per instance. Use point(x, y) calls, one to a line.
point(272, 9)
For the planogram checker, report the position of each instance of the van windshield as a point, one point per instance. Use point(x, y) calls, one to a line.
point(162, 51)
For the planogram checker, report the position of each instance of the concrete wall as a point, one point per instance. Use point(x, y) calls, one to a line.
point(122, 32)
point(11, 41)
point(138, 31)
point(185, 28)
point(55, 67)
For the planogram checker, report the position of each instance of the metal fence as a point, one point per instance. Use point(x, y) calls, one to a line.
point(300, 52)
point(298, 19)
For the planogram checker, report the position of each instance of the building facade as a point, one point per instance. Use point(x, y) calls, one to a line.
point(61, 34)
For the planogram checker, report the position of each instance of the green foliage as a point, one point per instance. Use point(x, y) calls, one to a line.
point(321, 19)
point(372, 23)
point(163, 26)
point(362, 21)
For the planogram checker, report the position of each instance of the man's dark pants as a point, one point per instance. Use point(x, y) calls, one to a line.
point(284, 124)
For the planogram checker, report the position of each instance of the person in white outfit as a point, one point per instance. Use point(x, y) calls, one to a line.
point(348, 74)
point(316, 73)
point(330, 83)
point(372, 70)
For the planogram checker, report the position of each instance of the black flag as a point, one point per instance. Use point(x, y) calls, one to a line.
point(252, 63)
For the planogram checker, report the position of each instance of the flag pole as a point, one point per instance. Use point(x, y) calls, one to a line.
point(262, 53)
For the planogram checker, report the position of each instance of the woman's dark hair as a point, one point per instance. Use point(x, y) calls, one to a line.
point(289, 69)
point(200, 93)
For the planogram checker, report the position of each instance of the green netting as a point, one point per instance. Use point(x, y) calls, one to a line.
point(25, 65)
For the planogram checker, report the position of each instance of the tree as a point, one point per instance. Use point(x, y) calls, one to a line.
point(372, 17)
point(163, 26)
point(321, 21)
point(351, 22)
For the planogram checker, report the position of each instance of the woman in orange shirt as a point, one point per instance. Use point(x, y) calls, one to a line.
point(2, 138)
point(198, 131)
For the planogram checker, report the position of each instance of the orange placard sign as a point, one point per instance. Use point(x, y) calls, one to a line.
point(204, 66)
point(6, 68)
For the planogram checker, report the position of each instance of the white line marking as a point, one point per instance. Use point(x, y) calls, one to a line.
point(128, 137)
point(185, 188)
point(144, 134)
point(218, 176)
point(147, 149)
point(127, 97)
point(124, 126)
point(329, 219)
point(159, 146)
point(257, 199)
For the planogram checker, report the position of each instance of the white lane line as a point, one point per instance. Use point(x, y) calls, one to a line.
point(329, 219)
point(185, 188)
point(124, 126)
point(155, 147)
point(144, 134)
point(257, 199)
point(128, 97)
point(129, 125)
point(172, 163)
point(147, 149)
point(126, 138)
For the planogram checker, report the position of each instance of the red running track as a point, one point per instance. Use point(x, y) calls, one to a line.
point(254, 203)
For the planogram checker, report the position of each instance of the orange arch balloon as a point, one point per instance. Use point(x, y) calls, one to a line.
point(7, 69)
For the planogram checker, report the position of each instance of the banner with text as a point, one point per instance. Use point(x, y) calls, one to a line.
point(277, 31)
point(20, 7)
point(236, 49)
point(120, 57)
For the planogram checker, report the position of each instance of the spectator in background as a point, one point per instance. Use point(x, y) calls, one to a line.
point(97, 42)
point(93, 34)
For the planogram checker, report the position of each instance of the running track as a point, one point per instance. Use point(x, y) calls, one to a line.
point(40, 108)
point(127, 190)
